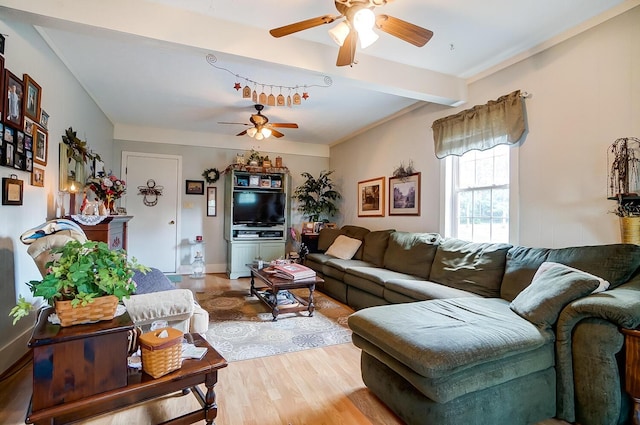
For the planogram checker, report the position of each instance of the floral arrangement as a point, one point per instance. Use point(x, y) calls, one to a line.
point(107, 188)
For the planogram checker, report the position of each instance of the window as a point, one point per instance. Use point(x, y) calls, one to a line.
point(479, 195)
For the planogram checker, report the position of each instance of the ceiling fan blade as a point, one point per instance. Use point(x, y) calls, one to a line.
point(302, 25)
point(242, 133)
point(238, 123)
point(404, 30)
point(276, 133)
point(347, 51)
point(283, 124)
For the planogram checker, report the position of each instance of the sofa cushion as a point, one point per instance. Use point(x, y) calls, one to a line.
point(411, 253)
point(344, 247)
point(470, 266)
point(336, 268)
point(326, 238)
point(375, 245)
point(421, 290)
point(614, 263)
point(454, 344)
point(372, 279)
point(355, 232)
point(551, 289)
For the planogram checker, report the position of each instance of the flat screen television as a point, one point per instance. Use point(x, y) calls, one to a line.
point(256, 208)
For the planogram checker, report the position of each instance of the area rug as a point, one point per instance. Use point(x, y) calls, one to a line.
point(241, 325)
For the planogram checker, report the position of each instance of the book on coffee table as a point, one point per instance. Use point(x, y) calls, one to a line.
point(294, 271)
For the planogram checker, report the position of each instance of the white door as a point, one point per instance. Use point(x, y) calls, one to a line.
point(153, 233)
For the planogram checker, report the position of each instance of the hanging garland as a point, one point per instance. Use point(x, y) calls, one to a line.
point(211, 175)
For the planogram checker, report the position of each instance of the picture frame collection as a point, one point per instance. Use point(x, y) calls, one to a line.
point(404, 196)
point(23, 125)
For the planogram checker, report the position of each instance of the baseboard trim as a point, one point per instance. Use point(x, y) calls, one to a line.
point(13, 352)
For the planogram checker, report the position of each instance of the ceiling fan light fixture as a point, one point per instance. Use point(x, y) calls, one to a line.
point(266, 132)
point(363, 21)
point(340, 32)
point(367, 38)
point(259, 135)
point(251, 132)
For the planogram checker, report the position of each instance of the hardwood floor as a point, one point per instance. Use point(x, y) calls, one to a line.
point(320, 386)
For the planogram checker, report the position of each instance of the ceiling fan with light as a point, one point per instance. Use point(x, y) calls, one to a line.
point(260, 127)
point(358, 25)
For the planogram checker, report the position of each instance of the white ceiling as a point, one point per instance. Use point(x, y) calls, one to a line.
point(144, 62)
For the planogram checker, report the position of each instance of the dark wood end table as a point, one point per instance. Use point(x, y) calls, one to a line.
point(632, 369)
point(138, 386)
point(275, 284)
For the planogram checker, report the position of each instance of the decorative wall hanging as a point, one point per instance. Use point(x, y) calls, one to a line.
point(194, 187)
point(150, 193)
point(31, 103)
point(371, 198)
point(37, 176)
point(211, 201)
point(14, 88)
point(211, 175)
point(403, 172)
point(11, 190)
point(250, 88)
point(404, 195)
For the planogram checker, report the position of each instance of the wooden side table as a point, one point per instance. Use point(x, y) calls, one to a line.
point(112, 231)
point(632, 370)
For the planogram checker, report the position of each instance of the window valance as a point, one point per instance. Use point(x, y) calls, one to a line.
point(482, 127)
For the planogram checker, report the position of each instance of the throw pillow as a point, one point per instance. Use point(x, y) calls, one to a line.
point(603, 285)
point(551, 289)
point(344, 247)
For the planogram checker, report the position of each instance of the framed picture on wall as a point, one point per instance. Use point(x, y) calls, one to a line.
point(40, 146)
point(404, 195)
point(371, 197)
point(194, 187)
point(31, 102)
point(2, 82)
point(11, 190)
point(13, 98)
point(37, 176)
point(211, 201)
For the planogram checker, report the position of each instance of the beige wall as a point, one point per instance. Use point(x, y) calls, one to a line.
point(68, 105)
point(585, 94)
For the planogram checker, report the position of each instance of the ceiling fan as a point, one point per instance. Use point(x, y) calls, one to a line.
point(260, 127)
point(358, 25)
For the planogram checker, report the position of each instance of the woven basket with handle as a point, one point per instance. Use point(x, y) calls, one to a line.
point(102, 308)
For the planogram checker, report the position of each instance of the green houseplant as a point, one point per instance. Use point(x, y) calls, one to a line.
point(317, 197)
point(80, 274)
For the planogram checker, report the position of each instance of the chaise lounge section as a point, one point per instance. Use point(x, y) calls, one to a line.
point(462, 332)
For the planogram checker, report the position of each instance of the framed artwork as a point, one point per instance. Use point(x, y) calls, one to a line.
point(308, 227)
point(404, 195)
point(13, 98)
point(211, 201)
point(254, 180)
point(7, 158)
point(18, 161)
point(11, 190)
point(31, 103)
point(28, 142)
point(28, 164)
point(40, 146)
point(44, 119)
point(9, 134)
point(19, 141)
point(1, 44)
point(37, 176)
point(195, 187)
point(371, 197)
point(29, 126)
point(98, 168)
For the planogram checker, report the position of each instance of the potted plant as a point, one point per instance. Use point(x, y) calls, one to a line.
point(83, 278)
point(317, 197)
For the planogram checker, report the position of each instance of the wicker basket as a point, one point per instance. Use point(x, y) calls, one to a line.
point(102, 308)
point(161, 355)
point(630, 230)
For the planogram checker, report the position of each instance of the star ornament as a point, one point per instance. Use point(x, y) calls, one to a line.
point(305, 95)
point(237, 86)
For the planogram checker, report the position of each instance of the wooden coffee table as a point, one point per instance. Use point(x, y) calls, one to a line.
point(51, 345)
point(275, 284)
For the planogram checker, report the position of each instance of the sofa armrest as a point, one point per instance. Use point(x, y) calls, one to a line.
point(172, 305)
point(620, 306)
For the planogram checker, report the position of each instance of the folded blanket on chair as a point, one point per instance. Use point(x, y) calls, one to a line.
point(48, 228)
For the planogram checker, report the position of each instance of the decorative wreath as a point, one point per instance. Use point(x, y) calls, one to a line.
point(211, 175)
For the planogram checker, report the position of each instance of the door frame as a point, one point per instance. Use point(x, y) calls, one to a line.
point(123, 172)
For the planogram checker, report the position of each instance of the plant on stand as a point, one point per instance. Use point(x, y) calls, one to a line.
point(623, 157)
point(82, 274)
point(108, 189)
point(317, 197)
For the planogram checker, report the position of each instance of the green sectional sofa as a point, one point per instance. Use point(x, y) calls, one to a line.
point(458, 332)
